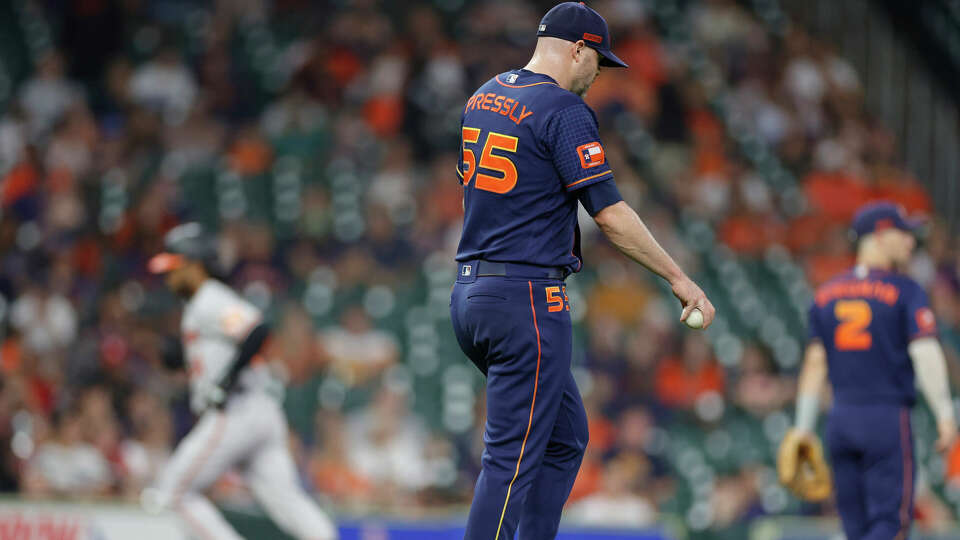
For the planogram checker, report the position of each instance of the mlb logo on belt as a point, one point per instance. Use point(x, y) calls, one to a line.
point(591, 155)
point(466, 270)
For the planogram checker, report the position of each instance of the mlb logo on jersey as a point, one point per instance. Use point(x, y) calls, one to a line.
point(591, 155)
point(512, 78)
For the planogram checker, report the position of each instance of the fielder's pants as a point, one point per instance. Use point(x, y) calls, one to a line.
point(517, 331)
point(871, 450)
point(251, 435)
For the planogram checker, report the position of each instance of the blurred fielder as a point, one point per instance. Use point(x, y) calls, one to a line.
point(873, 333)
point(241, 422)
point(530, 151)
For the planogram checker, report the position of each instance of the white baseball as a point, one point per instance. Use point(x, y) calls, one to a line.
point(694, 319)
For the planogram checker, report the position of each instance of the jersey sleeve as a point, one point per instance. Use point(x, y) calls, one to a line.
point(596, 197)
point(920, 319)
point(573, 139)
point(224, 315)
point(236, 320)
point(814, 328)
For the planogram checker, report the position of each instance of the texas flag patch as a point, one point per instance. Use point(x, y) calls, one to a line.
point(926, 321)
point(591, 155)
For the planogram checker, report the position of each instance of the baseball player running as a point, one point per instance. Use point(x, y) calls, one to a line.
point(530, 151)
point(872, 332)
point(241, 422)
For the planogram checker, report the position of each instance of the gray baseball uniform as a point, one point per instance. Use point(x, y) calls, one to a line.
point(249, 432)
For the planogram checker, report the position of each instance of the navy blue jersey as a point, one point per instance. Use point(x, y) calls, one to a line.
point(527, 146)
point(866, 320)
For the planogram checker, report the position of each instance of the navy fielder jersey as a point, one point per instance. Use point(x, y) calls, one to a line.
point(866, 320)
point(527, 146)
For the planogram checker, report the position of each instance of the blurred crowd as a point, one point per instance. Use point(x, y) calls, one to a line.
point(358, 102)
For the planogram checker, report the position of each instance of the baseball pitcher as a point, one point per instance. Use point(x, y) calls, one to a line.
point(531, 152)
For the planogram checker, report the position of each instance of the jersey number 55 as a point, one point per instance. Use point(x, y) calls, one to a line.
point(490, 161)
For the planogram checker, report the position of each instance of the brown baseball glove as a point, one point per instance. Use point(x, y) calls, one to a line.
point(802, 467)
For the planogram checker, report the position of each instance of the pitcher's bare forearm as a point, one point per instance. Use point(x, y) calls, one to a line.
point(626, 230)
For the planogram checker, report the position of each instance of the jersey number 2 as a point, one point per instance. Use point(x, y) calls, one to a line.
point(490, 161)
point(852, 333)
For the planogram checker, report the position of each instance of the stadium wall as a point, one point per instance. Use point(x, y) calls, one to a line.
point(44, 520)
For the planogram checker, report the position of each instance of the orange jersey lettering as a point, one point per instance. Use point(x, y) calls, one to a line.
point(499, 104)
point(878, 290)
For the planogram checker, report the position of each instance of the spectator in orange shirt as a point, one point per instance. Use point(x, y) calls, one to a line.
point(893, 184)
point(749, 228)
point(621, 501)
point(952, 475)
point(836, 194)
point(806, 232)
point(590, 478)
point(680, 381)
point(834, 257)
point(250, 154)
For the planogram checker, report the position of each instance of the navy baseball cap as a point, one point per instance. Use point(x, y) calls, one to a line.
point(574, 21)
point(877, 216)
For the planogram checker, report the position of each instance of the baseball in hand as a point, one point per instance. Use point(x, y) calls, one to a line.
point(694, 319)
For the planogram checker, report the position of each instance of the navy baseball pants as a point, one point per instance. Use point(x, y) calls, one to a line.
point(517, 331)
point(871, 449)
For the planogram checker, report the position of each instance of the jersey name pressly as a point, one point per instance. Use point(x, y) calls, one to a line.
point(527, 146)
point(215, 321)
point(866, 320)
